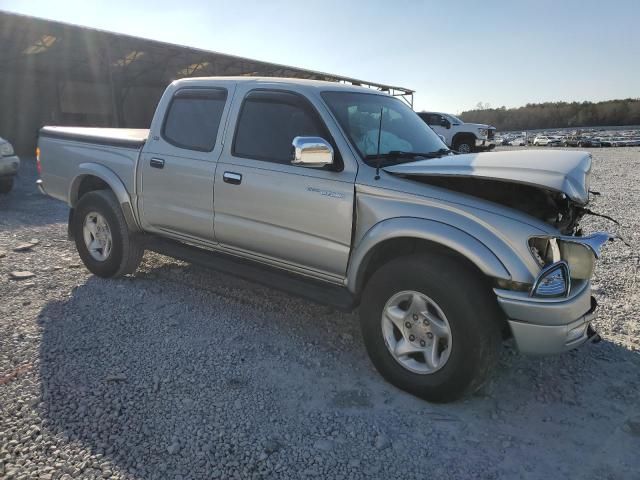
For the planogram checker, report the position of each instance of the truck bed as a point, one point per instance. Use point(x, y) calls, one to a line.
point(118, 137)
point(70, 153)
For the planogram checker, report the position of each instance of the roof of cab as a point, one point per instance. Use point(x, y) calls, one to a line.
point(315, 84)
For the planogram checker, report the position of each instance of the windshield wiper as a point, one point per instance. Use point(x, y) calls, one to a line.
point(402, 154)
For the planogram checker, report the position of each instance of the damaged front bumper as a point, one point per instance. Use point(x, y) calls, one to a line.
point(542, 326)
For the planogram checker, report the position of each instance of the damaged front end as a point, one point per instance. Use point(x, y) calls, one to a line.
point(554, 313)
point(553, 208)
point(550, 186)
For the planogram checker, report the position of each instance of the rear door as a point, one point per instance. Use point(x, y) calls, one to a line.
point(268, 208)
point(178, 163)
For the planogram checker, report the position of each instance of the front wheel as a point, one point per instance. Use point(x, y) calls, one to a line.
point(464, 146)
point(430, 326)
point(102, 237)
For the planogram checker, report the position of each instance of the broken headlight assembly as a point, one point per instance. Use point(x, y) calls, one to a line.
point(562, 260)
point(553, 281)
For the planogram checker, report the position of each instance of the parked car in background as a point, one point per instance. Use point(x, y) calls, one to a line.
point(570, 141)
point(541, 141)
point(345, 196)
point(9, 164)
point(579, 141)
point(460, 136)
point(518, 142)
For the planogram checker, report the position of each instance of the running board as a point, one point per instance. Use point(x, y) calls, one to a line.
point(319, 292)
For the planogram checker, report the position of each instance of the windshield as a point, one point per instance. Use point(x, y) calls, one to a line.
point(402, 129)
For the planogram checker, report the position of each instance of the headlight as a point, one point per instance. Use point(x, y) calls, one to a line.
point(553, 281)
point(6, 149)
point(483, 132)
point(578, 256)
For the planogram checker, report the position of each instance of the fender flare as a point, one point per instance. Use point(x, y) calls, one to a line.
point(463, 134)
point(422, 229)
point(115, 184)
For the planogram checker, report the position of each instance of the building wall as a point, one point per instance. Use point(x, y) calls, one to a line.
point(28, 102)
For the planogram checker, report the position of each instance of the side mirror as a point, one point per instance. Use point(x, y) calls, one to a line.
point(313, 152)
point(445, 123)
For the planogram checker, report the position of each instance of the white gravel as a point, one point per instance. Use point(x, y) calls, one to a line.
point(183, 373)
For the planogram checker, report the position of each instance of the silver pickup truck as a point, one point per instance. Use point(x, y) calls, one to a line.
point(345, 196)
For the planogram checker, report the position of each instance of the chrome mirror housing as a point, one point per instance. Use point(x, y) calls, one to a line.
point(314, 152)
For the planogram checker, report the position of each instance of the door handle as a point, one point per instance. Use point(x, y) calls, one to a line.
point(156, 163)
point(232, 178)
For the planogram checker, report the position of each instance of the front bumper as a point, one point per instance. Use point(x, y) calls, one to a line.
point(542, 326)
point(485, 144)
point(9, 166)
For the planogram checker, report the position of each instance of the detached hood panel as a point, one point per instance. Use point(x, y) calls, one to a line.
point(560, 171)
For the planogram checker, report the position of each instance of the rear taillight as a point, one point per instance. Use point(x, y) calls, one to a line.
point(38, 165)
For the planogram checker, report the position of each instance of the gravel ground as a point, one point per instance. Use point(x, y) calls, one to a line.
point(185, 373)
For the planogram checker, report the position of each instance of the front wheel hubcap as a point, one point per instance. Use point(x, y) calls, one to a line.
point(97, 236)
point(423, 348)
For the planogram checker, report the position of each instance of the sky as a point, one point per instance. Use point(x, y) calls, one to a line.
point(454, 54)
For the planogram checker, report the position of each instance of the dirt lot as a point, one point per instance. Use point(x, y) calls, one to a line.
point(185, 373)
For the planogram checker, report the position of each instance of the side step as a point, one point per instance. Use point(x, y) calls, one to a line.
point(314, 290)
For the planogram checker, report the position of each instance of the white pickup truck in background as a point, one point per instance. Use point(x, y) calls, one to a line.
point(460, 136)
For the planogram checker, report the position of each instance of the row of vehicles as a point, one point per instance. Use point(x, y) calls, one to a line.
point(572, 140)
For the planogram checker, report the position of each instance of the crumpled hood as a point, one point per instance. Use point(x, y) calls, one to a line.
point(561, 171)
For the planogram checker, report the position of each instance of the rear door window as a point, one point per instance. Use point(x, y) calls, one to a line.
point(193, 118)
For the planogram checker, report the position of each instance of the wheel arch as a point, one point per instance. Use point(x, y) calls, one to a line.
point(92, 177)
point(401, 236)
point(463, 135)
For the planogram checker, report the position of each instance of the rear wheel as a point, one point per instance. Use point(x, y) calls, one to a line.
point(6, 184)
point(430, 326)
point(103, 240)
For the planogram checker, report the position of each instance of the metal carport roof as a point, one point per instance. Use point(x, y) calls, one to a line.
point(79, 53)
point(58, 73)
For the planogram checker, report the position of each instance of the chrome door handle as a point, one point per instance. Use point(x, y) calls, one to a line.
point(232, 178)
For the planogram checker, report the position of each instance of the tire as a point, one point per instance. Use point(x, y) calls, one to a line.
point(6, 184)
point(125, 251)
point(472, 315)
point(464, 146)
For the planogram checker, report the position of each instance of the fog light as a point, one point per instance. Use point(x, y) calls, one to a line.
point(553, 281)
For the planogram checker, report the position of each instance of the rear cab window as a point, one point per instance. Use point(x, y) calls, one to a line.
point(193, 118)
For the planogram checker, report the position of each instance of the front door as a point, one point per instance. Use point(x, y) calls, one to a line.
point(438, 124)
point(178, 165)
point(266, 207)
